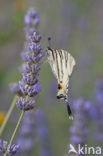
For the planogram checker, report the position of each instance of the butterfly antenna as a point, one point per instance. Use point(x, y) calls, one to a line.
point(49, 42)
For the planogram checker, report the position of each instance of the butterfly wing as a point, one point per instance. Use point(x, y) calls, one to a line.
point(62, 64)
point(53, 61)
point(68, 64)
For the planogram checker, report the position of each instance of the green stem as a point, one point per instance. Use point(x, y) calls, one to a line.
point(15, 130)
point(8, 115)
point(14, 133)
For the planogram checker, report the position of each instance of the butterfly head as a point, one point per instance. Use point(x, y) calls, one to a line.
point(61, 96)
point(61, 92)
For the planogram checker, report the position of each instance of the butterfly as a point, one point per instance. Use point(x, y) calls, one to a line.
point(62, 64)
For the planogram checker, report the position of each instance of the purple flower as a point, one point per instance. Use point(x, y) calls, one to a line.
point(31, 18)
point(30, 78)
point(43, 133)
point(23, 105)
point(13, 150)
point(26, 144)
point(34, 90)
point(30, 90)
point(23, 88)
point(14, 88)
point(32, 55)
point(29, 85)
point(27, 68)
point(99, 91)
point(36, 37)
point(34, 48)
point(3, 146)
point(97, 111)
point(45, 152)
point(26, 56)
point(79, 129)
point(26, 139)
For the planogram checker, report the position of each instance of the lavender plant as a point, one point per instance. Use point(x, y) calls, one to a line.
point(34, 126)
point(31, 56)
point(8, 115)
point(14, 88)
point(79, 129)
point(97, 112)
point(11, 151)
point(42, 133)
point(26, 138)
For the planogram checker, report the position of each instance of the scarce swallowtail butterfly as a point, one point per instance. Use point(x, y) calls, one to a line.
point(62, 64)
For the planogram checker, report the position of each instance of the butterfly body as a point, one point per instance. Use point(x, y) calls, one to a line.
point(61, 92)
point(62, 64)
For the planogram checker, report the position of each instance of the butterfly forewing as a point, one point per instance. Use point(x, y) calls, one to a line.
point(62, 64)
point(52, 61)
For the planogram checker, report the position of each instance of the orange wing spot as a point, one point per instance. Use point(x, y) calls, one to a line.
point(60, 86)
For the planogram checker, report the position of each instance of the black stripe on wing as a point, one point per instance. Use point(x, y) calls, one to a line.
point(61, 57)
point(58, 70)
point(53, 54)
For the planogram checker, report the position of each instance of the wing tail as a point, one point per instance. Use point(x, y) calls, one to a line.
point(69, 111)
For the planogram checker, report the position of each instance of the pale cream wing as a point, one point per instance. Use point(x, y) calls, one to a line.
point(52, 60)
point(68, 64)
point(62, 64)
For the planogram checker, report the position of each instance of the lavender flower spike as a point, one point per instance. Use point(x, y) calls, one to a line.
point(27, 133)
point(43, 133)
point(31, 55)
point(11, 151)
point(97, 112)
point(3, 146)
point(31, 18)
point(29, 85)
point(79, 129)
point(25, 105)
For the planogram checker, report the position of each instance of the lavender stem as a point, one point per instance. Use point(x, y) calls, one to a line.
point(14, 133)
point(16, 129)
point(8, 115)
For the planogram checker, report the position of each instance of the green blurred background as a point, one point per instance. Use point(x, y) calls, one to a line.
point(74, 25)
